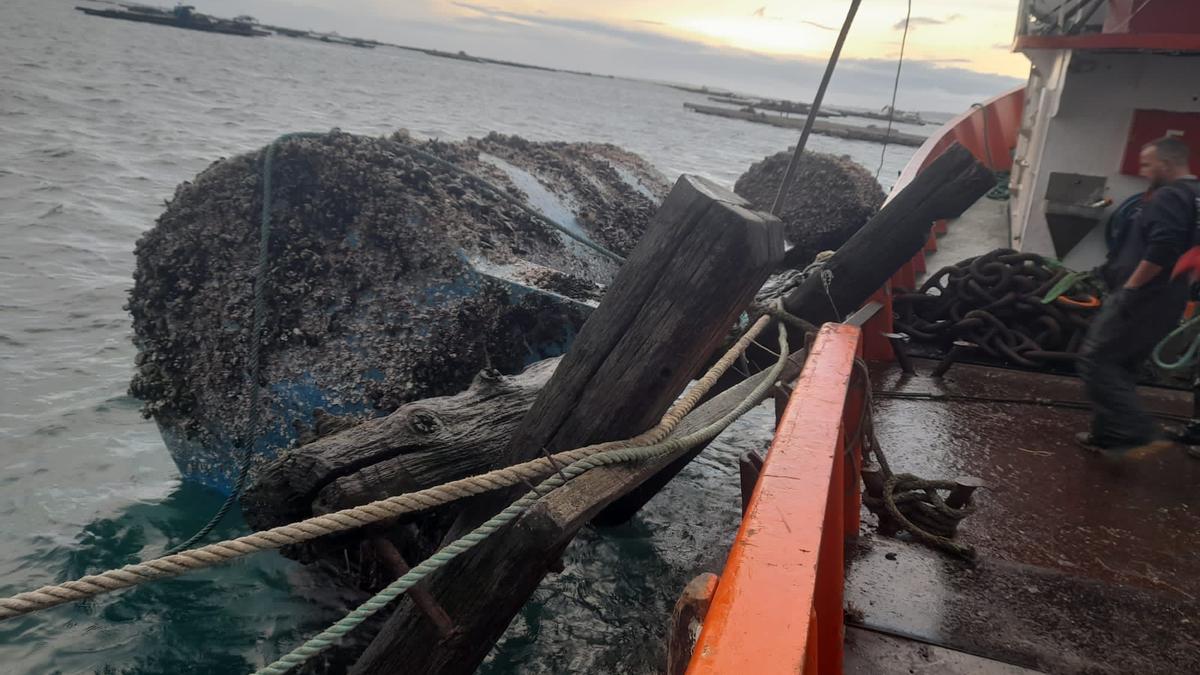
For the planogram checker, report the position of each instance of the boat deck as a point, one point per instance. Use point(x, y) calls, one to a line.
point(1085, 566)
point(983, 227)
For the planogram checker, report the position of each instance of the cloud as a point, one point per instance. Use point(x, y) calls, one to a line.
point(602, 47)
point(918, 21)
point(586, 26)
point(636, 49)
point(818, 25)
point(761, 13)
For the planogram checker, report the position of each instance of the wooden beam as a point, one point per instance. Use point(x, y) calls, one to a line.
point(484, 593)
point(697, 268)
point(946, 188)
point(949, 186)
point(420, 596)
point(421, 444)
point(702, 259)
point(628, 505)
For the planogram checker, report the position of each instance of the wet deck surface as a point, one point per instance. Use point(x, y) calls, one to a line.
point(981, 228)
point(1085, 565)
point(873, 653)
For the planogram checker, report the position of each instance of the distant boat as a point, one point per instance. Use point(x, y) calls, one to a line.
point(183, 16)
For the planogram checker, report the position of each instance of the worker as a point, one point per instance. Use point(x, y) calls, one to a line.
point(1146, 302)
point(1120, 221)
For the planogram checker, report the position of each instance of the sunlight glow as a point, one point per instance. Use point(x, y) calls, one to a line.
point(974, 35)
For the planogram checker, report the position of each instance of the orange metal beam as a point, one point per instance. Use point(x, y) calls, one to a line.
point(778, 604)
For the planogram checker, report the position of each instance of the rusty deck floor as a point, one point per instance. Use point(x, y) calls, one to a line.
point(1085, 565)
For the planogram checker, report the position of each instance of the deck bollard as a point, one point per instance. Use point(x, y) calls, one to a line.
point(899, 348)
point(959, 348)
point(873, 481)
point(749, 467)
point(964, 487)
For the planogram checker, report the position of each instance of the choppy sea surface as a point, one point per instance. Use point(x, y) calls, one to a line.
point(99, 121)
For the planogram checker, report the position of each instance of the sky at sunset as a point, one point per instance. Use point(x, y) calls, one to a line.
point(958, 52)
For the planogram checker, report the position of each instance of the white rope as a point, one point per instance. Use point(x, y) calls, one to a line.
point(359, 516)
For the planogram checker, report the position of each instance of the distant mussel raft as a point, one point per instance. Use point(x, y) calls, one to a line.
point(392, 277)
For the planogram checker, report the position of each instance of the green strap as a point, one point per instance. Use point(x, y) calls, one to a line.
point(1063, 286)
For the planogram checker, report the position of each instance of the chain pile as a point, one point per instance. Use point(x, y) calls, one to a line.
point(1015, 307)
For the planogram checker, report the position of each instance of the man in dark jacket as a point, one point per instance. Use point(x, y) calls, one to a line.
point(1145, 304)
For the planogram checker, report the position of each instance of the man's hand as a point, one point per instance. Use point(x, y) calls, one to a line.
point(1144, 274)
point(1189, 264)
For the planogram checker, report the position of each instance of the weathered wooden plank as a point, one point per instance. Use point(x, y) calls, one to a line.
point(484, 594)
point(424, 443)
point(629, 504)
point(950, 185)
point(698, 266)
point(419, 594)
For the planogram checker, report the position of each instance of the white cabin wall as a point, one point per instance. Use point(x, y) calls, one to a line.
point(1088, 131)
point(1046, 80)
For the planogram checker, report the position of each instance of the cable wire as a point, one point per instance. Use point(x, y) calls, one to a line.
point(895, 88)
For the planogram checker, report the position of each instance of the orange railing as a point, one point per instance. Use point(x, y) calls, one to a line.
point(778, 605)
point(989, 130)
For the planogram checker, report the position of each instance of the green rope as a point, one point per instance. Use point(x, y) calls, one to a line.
point(260, 320)
point(1065, 284)
point(1190, 356)
point(1001, 191)
point(326, 638)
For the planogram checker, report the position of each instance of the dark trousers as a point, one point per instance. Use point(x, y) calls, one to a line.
point(1118, 342)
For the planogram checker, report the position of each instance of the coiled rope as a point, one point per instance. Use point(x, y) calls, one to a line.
point(914, 504)
point(1190, 356)
point(175, 564)
point(618, 456)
